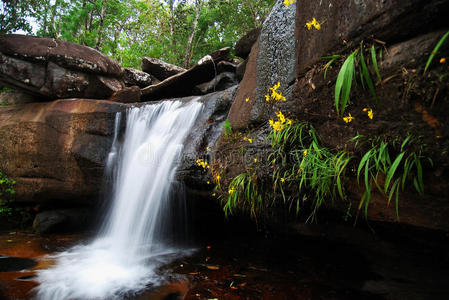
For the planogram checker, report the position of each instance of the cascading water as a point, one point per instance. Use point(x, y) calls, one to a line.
point(128, 249)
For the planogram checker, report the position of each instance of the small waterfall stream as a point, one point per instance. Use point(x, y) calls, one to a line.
point(130, 246)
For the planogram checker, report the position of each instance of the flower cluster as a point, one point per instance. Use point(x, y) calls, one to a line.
point(442, 60)
point(200, 162)
point(348, 119)
point(275, 95)
point(288, 2)
point(248, 139)
point(370, 112)
point(313, 23)
point(279, 125)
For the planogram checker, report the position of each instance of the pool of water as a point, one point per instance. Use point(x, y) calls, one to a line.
point(322, 263)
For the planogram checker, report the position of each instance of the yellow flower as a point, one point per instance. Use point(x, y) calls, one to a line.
point(267, 98)
point(281, 117)
point(442, 60)
point(289, 122)
point(305, 152)
point(245, 138)
point(208, 182)
point(313, 23)
point(282, 179)
point(247, 99)
point(250, 141)
point(370, 114)
point(348, 119)
point(231, 191)
point(213, 195)
point(217, 178)
point(271, 122)
point(207, 148)
point(286, 3)
point(255, 160)
point(365, 109)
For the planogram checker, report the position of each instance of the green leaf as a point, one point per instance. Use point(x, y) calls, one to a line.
point(367, 76)
point(374, 59)
point(392, 170)
point(435, 50)
point(344, 83)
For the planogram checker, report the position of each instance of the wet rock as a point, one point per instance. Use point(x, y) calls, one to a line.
point(160, 69)
point(127, 95)
point(56, 150)
point(222, 82)
point(14, 264)
point(183, 84)
point(64, 220)
point(55, 69)
point(136, 77)
point(244, 45)
point(205, 133)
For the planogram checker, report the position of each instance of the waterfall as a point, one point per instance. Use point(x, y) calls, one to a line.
point(122, 260)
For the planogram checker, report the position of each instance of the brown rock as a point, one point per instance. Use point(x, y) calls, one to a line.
point(183, 84)
point(240, 112)
point(160, 69)
point(127, 95)
point(41, 69)
point(348, 23)
point(244, 45)
point(56, 150)
point(66, 54)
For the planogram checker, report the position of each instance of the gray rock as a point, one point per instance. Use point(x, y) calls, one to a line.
point(221, 82)
point(160, 69)
point(136, 77)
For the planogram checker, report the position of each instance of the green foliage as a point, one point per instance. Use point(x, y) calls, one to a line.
point(128, 30)
point(309, 171)
point(435, 50)
point(14, 14)
point(353, 64)
point(227, 129)
point(389, 167)
point(6, 194)
point(243, 193)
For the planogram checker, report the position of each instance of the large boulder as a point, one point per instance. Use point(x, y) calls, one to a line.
point(160, 69)
point(56, 150)
point(56, 69)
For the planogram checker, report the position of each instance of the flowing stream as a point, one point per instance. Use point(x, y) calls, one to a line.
point(131, 245)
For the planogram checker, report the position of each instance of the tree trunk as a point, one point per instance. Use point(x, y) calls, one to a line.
point(192, 34)
point(100, 29)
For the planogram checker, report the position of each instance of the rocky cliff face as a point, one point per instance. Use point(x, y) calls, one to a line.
point(410, 102)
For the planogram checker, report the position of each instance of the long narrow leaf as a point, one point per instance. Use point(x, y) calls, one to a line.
point(435, 50)
point(367, 76)
point(343, 84)
point(392, 170)
point(375, 65)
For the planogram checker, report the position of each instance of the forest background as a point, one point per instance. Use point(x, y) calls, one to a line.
point(177, 31)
